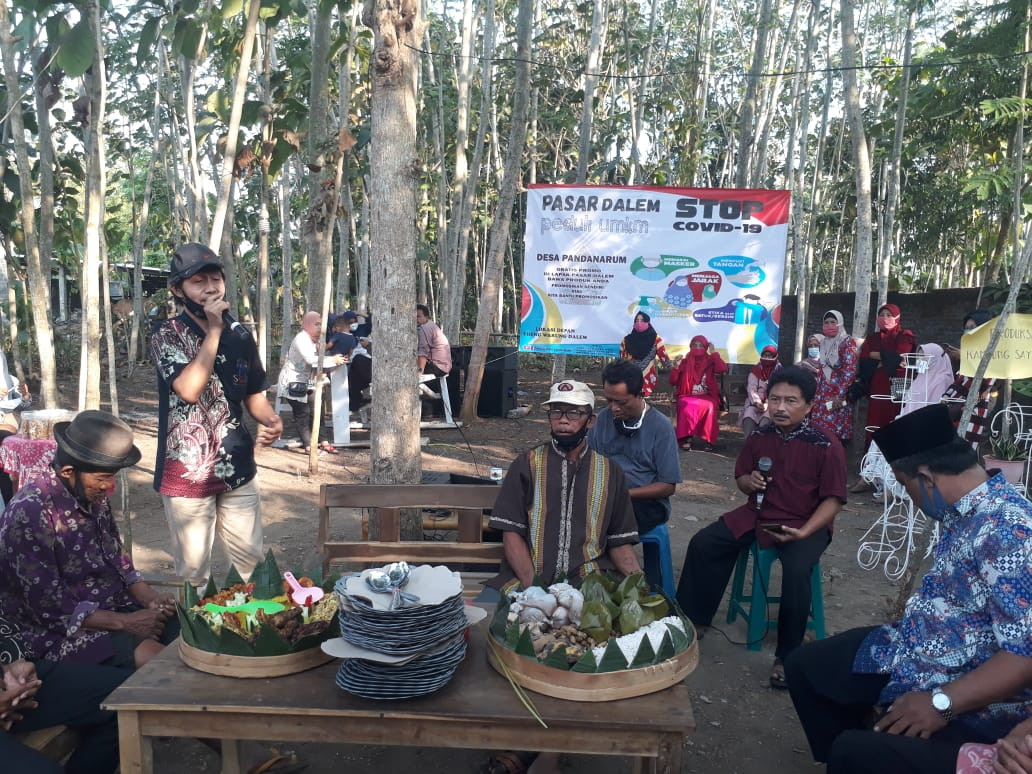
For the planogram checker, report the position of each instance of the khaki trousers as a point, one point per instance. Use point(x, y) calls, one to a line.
point(236, 516)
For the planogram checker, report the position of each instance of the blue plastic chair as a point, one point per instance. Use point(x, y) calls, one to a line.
point(753, 605)
point(655, 545)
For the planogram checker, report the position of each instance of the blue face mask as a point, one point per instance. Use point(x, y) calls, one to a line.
point(934, 505)
point(813, 352)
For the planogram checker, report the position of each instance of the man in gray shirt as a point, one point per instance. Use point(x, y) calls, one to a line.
point(642, 442)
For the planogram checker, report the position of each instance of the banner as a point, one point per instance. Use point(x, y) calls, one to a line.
point(1012, 358)
point(704, 261)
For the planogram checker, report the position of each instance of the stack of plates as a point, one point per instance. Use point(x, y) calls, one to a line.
point(398, 654)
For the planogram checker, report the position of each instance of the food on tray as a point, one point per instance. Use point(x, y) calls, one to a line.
point(256, 618)
point(606, 625)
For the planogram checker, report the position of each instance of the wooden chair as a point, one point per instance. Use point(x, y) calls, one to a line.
point(385, 502)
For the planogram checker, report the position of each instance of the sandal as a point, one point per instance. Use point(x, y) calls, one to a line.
point(279, 764)
point(508, 762)
point(328, 447)
point(777, 675)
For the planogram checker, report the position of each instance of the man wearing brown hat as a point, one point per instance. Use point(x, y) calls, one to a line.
point(208, 373)
point(958, 666)
point(67, 583)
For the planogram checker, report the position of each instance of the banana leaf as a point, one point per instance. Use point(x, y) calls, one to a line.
point(631, 587)
point(656, 605)
point(645, 656)
point(210, 589)
point(679, 638)
point(500, 620)
point(271, 643)
point(587, 663)
point(666, 649)
point(267, 579)
point(524, 646)
point(190, 597)
point(232, 644)
point(613, 660)
point(233, 578)
point(512, 635)
point(186, 625)
point(632, 617)
point(557, 660)
point(204, 637)
point(596, 620)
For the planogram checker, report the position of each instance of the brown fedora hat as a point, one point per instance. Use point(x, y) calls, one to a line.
point(97, 439)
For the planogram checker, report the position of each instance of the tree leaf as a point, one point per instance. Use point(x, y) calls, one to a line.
point(77, 50)
point(148, 34)
point(231, 8)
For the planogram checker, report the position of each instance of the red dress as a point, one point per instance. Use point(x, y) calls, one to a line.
point(882, 410)
point(698, 395)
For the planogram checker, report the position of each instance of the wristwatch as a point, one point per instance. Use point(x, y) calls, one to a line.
point(942, 703)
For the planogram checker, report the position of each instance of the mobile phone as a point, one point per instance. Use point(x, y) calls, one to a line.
point(773, 527)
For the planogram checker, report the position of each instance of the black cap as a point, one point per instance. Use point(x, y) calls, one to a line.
point(349, 315)
point(190, 259)
point(920, 431)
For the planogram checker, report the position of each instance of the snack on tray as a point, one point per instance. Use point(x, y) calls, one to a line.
point(256, 618)
point(605, 626)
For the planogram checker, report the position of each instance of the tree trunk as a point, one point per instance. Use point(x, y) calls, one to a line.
point(393, 181)
point(322, 199)
point(747, 121)
point(39, 282)
point(862, 169)
point(501, 224)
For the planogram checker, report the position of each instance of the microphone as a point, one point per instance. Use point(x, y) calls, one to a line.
point(234, 325)
point(763, 464)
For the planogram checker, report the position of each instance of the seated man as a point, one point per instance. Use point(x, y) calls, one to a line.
point(958, 667)
point(563, 509)
point(791, 507)
point(35, 695)
point(66, 582)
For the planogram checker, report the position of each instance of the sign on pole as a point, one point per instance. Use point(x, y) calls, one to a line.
point(704, 261)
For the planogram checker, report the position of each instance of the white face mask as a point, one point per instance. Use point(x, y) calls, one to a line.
point(813, 351)
point(353, 327)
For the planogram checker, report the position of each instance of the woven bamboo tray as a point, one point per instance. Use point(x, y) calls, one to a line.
point(580, 686)
point(251, 666)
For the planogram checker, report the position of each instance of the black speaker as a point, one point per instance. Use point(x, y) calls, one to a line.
point(497, 393)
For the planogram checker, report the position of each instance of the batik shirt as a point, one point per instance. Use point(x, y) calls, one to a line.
point(59, 563)
point(204, 448)
point(974, 602)
point(570, 513)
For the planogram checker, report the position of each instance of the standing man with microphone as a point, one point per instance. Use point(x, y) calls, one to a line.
point(208, 372)
point(794, 475)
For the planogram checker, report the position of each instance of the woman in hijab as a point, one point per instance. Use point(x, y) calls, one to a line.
point(881, 360)
point(642, 346)
point(836, 372)
point(934, 376)
point(957, 393)
point(698, 393)
point(754, 412)
point(812, 361)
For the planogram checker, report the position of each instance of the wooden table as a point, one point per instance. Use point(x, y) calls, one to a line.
point(476, 710)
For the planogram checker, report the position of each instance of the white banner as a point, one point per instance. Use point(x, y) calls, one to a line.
point(704, 261)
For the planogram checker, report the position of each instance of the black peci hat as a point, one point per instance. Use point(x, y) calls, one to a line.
point(190, 259)
point(920, 431)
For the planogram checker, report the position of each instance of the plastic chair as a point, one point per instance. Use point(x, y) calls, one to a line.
point(655, 545)
point(757, 600)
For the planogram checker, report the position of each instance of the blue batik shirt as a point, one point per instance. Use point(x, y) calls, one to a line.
point(974, 602)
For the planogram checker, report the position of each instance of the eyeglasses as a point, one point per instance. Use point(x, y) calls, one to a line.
point(572, 414)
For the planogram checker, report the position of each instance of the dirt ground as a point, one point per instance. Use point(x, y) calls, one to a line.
point(742, 724)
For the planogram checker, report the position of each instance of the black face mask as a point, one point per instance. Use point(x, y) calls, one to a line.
point(192, 306)
point(570, 442)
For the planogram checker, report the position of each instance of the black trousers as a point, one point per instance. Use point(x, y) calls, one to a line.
point(835, 705)
point(710, 560)
point(70, 695)
point(303, 418)
point(360, 376)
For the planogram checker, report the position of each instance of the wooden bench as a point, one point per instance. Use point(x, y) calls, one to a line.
point(385, 502)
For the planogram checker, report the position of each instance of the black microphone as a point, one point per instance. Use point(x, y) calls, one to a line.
point(234, 325)
point(763, 464)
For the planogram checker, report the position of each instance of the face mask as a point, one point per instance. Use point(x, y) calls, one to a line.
point(641, 327)
point(570, 442)
point(353, 327)
point(193, 307)
point(830, 330)
point(813, 352)
point(935, 505)
point(886, 323)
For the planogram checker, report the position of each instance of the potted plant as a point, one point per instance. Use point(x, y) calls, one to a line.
point(1009, 455)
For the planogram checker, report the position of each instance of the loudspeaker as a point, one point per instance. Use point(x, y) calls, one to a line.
point(497, 393)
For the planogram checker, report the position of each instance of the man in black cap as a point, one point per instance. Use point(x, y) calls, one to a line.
point(208, 372)
point(67, 584)
point(958, 666)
